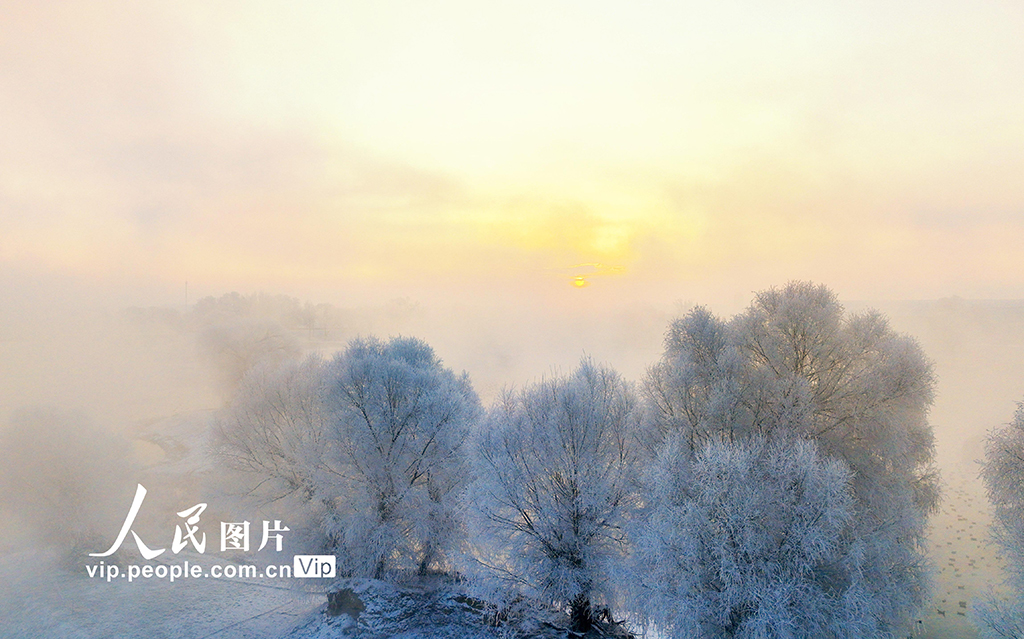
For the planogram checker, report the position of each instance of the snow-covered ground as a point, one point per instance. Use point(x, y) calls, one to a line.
point(41, 597)
point(41, 600)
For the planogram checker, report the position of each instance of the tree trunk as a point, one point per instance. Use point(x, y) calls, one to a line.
point(580, 614)
point(428, 556)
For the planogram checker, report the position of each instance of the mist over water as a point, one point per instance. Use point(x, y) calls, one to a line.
point(977, 347)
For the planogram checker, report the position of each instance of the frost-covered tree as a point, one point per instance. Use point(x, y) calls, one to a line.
point(368, 448)
point(794, 363)
point(1003, 472)
point(276, 433)
point(554, 487)
point(741, 540)
point(400, 422)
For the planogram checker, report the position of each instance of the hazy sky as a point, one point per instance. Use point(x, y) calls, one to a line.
point(336, 148)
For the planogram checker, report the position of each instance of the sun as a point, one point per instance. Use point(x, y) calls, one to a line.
point(579, 282)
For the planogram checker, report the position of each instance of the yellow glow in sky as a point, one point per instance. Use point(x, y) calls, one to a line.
point(405, 144)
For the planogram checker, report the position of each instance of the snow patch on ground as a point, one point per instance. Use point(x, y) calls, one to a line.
point(433, 608)
point(41, 600)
